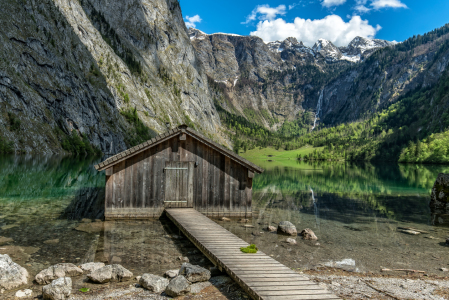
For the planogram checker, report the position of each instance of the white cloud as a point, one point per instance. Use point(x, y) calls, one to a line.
point(265, 12)
point(378, 4)
point(332, 28)
point(330, 3)
point(191, 21)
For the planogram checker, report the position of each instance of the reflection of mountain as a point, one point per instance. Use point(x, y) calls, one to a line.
point(33, 178)
point(351, 178)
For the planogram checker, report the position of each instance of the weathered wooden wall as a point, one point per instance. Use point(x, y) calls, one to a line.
point(135, 187)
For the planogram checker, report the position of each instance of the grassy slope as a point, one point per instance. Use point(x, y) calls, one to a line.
point(279, 158)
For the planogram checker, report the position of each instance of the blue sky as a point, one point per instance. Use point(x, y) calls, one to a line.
point(336, 20)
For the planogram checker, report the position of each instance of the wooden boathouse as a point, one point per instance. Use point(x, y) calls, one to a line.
point(179, 168)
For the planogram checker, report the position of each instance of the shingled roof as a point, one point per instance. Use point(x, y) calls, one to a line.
point(168, 135)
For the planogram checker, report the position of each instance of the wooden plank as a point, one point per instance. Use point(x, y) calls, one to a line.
point(190, 184)
point(205, 190)
point(259, 275)
point(109, 192)
point(227, 196)
point(137, 181)
point(211, 184)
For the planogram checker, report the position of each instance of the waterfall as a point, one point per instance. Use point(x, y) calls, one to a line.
point(315, 210)
point(318, 109)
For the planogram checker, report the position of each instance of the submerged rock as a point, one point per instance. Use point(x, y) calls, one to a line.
point(271, 228)
point(178, 286)
point(153, 283)
point(199, 286)
point(408, 231)
point(291, 241)
point(194, 273)
point(92, 266)
point(308, 234)
point(4, 240)
point(57, 271)
point(285, 227)
point(110, 273)
point(225, 219)
point(12, 275)
point(59, 289)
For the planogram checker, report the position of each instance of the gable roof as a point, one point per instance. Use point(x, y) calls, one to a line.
point(168, 135)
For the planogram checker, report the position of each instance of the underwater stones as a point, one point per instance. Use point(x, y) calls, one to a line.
point(110, 273)
point(225, 219)
point(271, 228)
point(57, 271)
point(171, 273)
point(199, 286)
point(287, 228)
point(92, 266)
point(194, 273)
point(24, 293)
point(153, 283)
point(4, 240)
point(12, 275)
point(308, 234)
point(51, 242)
point(243, 221)
point(59, 289)
point(291, 241)
point(95, 227)
point(178, 286)
point(408, 231)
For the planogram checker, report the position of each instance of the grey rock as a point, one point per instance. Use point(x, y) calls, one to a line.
point(92, 266)
point(110, 273)
point(287, 228)
point(12, 275)
point(60, 270)
point(154, 283)
point(194, 273)
point(199, 286)
point(308, 234)
point(59, 289)
point(172, 273)
point(178, 286)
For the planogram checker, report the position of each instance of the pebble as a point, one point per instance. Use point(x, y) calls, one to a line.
point(444, 269)
point(24, 293)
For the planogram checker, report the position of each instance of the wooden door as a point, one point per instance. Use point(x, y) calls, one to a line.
point(178, 184)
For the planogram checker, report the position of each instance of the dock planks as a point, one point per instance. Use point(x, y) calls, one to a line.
point(261, 276)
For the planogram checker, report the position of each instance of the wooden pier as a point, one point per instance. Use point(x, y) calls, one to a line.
point(259, 275)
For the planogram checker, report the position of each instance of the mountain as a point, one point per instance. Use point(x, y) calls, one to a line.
point(270, 83)
point(98, 72)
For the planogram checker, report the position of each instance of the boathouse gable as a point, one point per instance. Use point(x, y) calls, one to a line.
point(180, 168)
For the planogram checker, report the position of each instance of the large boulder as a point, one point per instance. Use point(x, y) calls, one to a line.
point(59, 289)
point(194, 273)
point(154, 283)
point(287, 228)
point(60, 270)
point(178, 286)
point(110, 273)
point(308, 234)
point(92, 266)
point(11, 274)
point(439, 200)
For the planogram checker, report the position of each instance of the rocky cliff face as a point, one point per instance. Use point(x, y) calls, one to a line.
point(74, 65)
point(274, 82)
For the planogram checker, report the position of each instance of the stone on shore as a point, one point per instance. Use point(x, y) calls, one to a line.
point(178, 286)
point(12, 275)
point(24, 293)
point(110, 273)
point(308, 234)
point(92, 266)
point(285, 227)
point(59, 289)
point(172, 273)
point(60, 270)
point(194, 273)
point(4, 240)
point(291, 241)
point(153, 283)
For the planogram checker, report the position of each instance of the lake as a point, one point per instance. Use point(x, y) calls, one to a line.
point(354, 209)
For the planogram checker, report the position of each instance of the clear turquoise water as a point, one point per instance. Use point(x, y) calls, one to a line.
point(354, 209)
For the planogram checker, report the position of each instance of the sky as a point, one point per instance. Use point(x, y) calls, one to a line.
point(308, 20)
